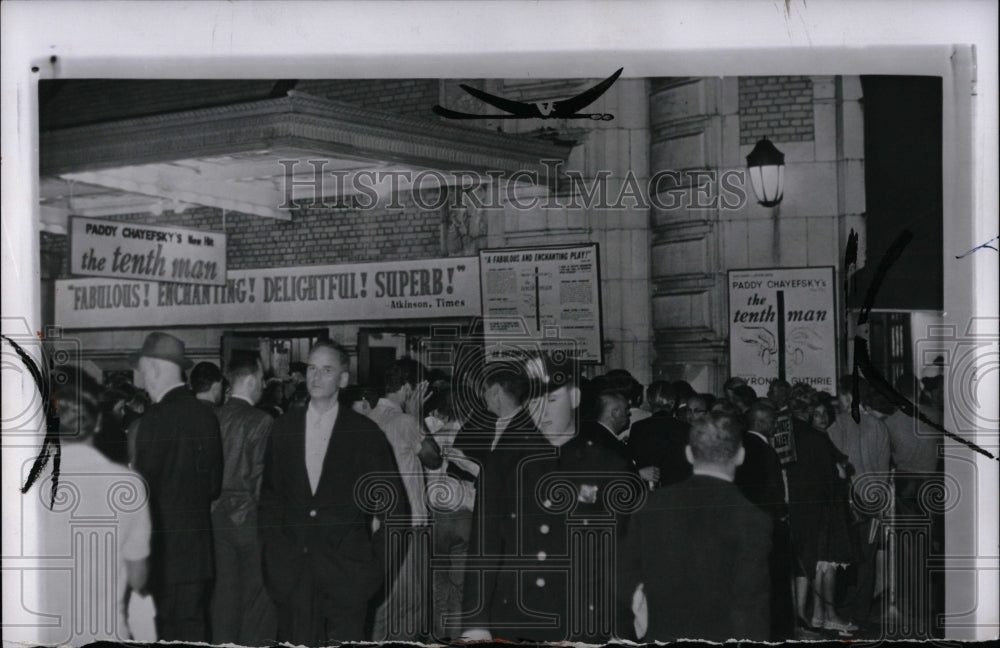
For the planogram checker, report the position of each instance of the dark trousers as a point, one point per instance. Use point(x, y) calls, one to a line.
point(861, 592)
point(451, 543)
point(782, 605)
point(242, 612)
point(182, 611)
point(307, 618)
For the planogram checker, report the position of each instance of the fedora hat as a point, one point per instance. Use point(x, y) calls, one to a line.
point(164, 347)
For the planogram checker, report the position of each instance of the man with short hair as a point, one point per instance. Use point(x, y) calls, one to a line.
point(613, 417)
point(695, 556)
point(207, 383)
point(403, 615)
point(178, 450)
point(242, 612)
point(323, 535)
point(759, 476)
point(761, 481)
point(698, 407)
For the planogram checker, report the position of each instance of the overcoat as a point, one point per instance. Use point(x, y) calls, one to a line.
point(178, 451)
point(700, 550)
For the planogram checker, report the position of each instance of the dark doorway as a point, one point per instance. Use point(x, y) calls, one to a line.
point(903, 190)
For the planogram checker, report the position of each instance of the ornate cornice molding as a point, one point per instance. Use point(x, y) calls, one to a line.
point(321, 126)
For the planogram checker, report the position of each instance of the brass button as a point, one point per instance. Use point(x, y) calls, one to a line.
point(540, 582)
point(312, 513)
point(544, 529)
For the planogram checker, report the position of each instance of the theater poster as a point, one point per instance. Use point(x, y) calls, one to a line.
point(544, 297)
point(783, 324)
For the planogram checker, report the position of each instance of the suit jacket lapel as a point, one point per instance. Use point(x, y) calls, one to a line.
point(297, 443)
point(329, 457)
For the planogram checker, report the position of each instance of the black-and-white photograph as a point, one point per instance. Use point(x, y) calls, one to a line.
point(620, 347)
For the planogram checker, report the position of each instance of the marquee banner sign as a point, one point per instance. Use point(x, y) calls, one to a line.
point(124, 250)
point(551, 294)
point(783, 324)
point(430, 288)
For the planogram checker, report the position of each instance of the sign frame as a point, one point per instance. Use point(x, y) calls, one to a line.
point(219, 246)
point(543, 336)
point(835, 290)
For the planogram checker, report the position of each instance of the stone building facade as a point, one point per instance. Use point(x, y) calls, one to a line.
point(667, 227)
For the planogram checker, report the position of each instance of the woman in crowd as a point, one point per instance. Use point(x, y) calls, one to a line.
point(817, 516)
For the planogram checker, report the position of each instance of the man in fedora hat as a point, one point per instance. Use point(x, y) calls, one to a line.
point(178, 451)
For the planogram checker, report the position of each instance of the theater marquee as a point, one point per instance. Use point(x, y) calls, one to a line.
point(783, 324)
point(430, 288)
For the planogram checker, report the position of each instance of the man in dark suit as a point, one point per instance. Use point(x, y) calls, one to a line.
point(759, 476)
point(761, 481)
point(695, 558)
point(660, 439)
point(323, 535)
point(179, 452)
point(242, 612)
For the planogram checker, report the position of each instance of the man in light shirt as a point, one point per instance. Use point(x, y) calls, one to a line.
point(322, 528)
point(403, 616)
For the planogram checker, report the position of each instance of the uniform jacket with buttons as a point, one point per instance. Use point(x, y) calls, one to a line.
point(520, 586)
point(326, 536)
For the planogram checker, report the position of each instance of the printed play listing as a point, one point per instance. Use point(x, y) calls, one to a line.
point(551, 295)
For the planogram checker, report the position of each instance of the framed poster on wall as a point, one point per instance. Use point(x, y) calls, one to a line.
point(783, 324)
point(549, 295)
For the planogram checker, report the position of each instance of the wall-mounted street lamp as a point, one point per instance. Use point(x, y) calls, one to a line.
point(766, 165)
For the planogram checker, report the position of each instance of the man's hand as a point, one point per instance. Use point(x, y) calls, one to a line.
point(640, 612)
point(477, 634)
point(650, 474)
point(415, 401)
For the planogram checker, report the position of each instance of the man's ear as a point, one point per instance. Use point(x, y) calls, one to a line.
point(345, 377)
point(574, 396)
point(688, 454)
point(741, 454)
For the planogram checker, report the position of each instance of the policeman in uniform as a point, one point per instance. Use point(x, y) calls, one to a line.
point(549, 530)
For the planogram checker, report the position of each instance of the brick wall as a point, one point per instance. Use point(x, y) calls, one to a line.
point(401, 96)
point(311, 237)
point(780, 107)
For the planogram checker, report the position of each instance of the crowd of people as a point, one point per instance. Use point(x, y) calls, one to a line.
point(516, 501)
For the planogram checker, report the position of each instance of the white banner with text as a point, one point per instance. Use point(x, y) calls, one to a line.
point(148, 252)
point(430, 288)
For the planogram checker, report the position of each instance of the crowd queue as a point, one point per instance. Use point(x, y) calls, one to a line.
point(513, 501)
